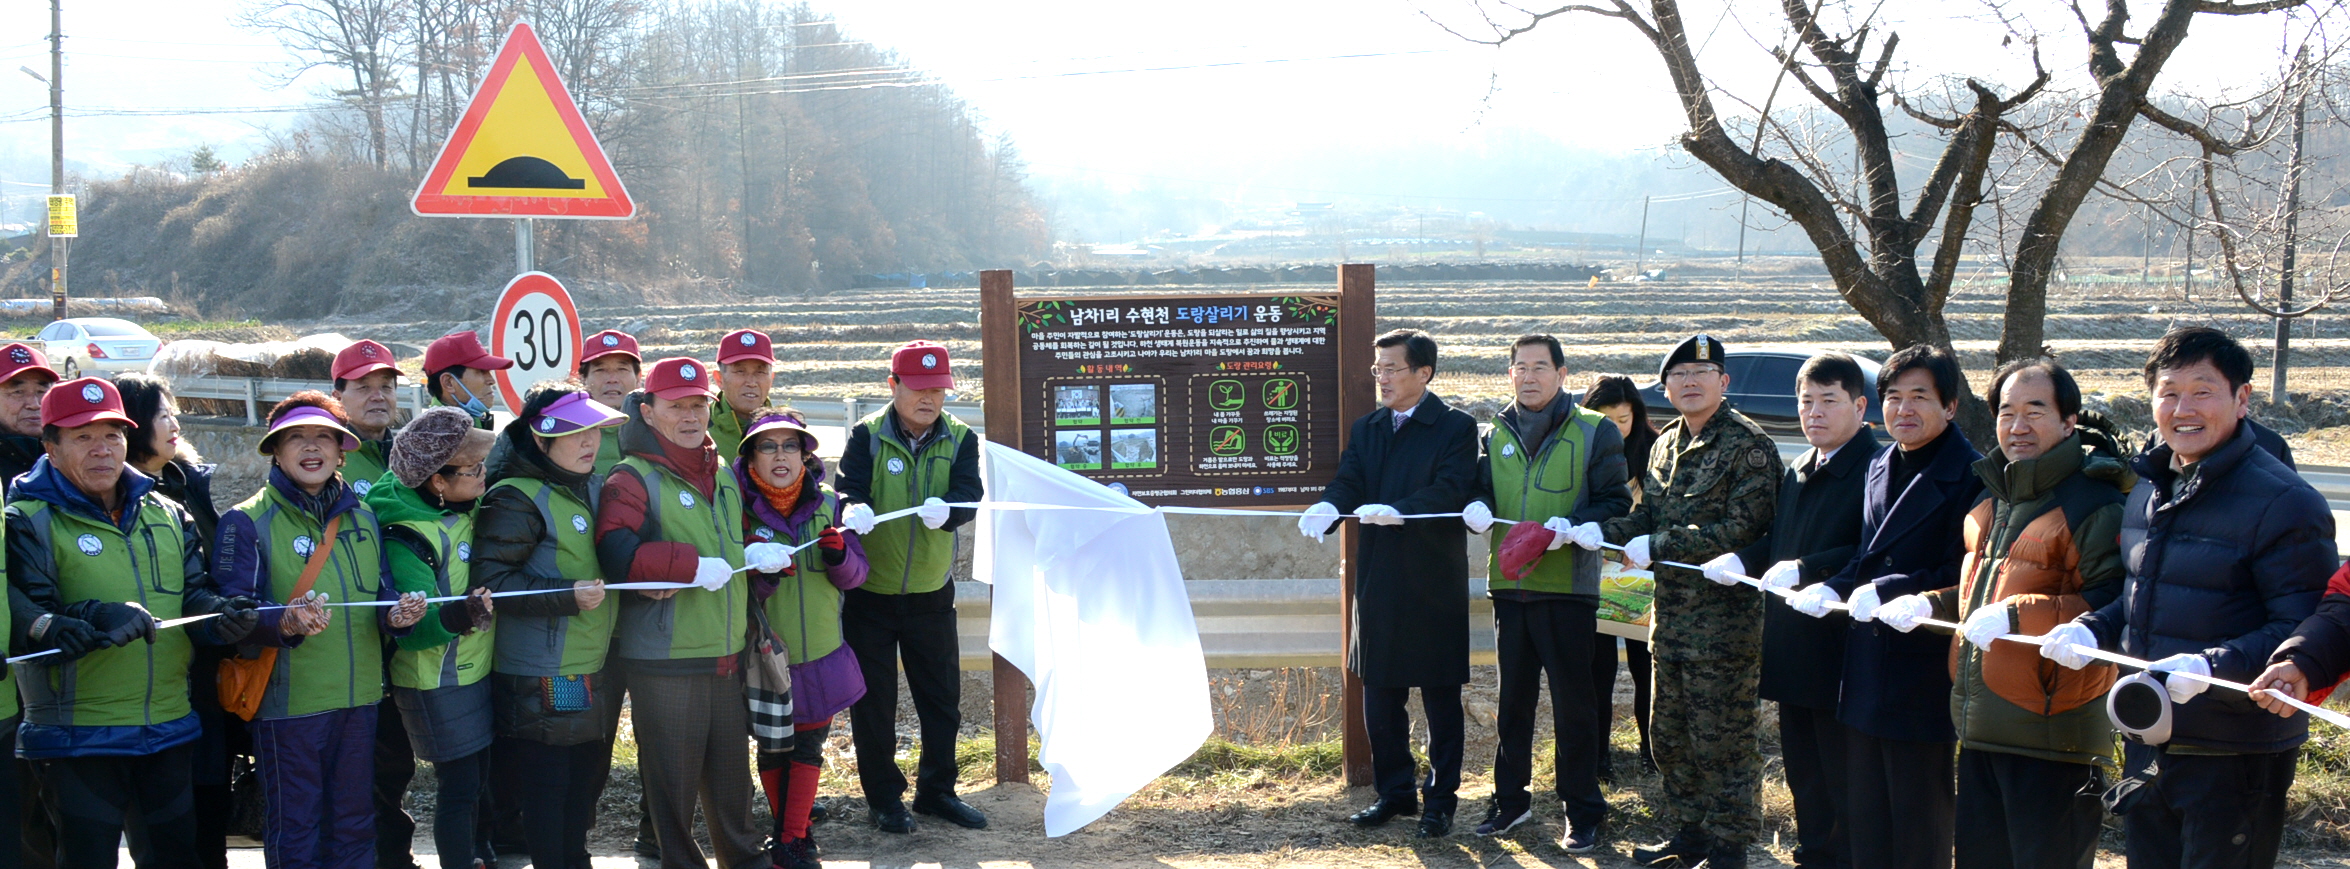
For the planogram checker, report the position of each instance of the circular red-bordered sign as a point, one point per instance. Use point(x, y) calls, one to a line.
point(537, 327)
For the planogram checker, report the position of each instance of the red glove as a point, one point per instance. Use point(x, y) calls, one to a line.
point(832, 546)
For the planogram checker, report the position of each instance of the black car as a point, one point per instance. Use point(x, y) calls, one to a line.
point(1762, 386)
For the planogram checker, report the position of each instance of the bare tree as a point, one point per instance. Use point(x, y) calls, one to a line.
point(1877, 266)
point(361, 38)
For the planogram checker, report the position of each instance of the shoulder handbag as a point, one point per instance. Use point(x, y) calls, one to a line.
point(767, 685)
point(243, 679)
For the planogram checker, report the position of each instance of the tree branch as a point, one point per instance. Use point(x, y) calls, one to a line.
point(2212, 7)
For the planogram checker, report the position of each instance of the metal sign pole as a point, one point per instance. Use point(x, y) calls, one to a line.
point(525, 247)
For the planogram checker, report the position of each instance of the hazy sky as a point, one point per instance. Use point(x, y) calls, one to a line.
point(1229, 92)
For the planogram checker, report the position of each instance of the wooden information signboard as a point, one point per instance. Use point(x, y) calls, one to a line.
point(1195, 400)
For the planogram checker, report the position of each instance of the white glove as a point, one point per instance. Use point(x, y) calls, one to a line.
point(1814, 600)
point(1317, 520)
point(766, 557)
point(1722, 566)
point(1477, 516)
point(1903, 613)
point(858, 518)
point(1636, 552)
point(933, 512)
point(1864, 602)
point(1785, 574)
point(1985, 624)
point(1379, 514)
point(1562, 532)
point(2183, 690)
point(2063, 645)
point(1587, 535)
point(711, 574)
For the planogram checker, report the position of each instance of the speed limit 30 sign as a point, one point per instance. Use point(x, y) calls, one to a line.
point(538, 328)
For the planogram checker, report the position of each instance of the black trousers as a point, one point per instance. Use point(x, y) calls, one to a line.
point(1553, 637)
point(395, 767)
point(557, 786)
point(1811, 741)
point(11, 793)
point(1388, 724)
point(1603, 683)
point(1900, 803)
point(2027, 812)
point(917, 630)
point(93, 799)
point(2209, 811)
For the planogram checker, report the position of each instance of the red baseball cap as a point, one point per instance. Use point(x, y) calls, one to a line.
point(606, 343)
point(363, 358)
point(76, 403)
point(746, 344)
point(461, 348)
point(18, 358)
point(677, 377)
point(922, 365)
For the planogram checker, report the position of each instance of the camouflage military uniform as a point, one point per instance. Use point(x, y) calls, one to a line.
point(1700, 497)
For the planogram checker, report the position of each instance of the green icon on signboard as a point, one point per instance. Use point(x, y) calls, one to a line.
point(1280, 394)
point(1226, 395)
point(1227, 440)
point(1281, 440)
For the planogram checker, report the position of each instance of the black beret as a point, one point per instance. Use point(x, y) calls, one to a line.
point(1700, 347)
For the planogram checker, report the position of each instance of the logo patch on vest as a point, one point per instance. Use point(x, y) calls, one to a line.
point(579, 524)
point(362, 487)
point(1508, 450)
point(303, 546)
point(897, 465)
point(764, 533)
point(465, 552)
point(89, 544)
point(686, 500)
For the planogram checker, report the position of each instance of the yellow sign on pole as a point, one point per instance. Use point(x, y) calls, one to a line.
point(61, 217)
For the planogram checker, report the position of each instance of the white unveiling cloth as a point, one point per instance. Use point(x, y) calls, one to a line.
point(1090, 605)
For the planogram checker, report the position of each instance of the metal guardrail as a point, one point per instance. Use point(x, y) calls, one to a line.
point(844, 412)
point(1251, 623)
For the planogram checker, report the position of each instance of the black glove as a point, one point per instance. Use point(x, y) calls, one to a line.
point(477, 605)
point(831, 546)
point(72, 637)
point(124, 622)
point(238, 617)
point(469, 615)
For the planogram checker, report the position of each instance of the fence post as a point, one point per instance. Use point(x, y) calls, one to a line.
point(252, 402)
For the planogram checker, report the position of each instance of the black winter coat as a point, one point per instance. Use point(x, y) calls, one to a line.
point(1896, 685)
point(2226, 567)
point(1818, 524)
point(1411, 595)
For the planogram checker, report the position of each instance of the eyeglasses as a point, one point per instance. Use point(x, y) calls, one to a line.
point(475, 470)
point(769, 448)
point(1687, 374)
point(1383, 372)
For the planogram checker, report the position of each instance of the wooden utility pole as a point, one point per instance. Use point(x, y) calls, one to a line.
point(58, 247)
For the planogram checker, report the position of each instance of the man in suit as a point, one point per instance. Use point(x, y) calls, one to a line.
point(1895, 705)
point(1815, 534)
point(1413, 455)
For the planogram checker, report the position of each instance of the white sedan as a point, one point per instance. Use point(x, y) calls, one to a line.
point(84, 345)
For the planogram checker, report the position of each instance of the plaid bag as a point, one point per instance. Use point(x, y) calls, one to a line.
point(767, 686)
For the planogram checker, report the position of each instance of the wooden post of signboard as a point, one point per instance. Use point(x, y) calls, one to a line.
point(999, 360)
point(1357, 328)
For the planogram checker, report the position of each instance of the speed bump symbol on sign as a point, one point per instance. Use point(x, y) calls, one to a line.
point(522, 149)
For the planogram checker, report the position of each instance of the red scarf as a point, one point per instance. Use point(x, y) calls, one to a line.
point(783, 499)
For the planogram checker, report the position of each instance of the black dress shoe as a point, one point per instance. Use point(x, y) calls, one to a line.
point(893, 819)
point(1578, 838)
point(1686, 849)
point(955, 811)
point(1381, 812)
point(1434, 824)
point(1726, 857)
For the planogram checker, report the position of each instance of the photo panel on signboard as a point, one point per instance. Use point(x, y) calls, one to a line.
point(1134, 448)
point(1077, 404)
point(1134, 403)
point(1078, 449)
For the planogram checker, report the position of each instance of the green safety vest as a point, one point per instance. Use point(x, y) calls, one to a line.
point(726, 430)
point(907, 557)
point(693, 623)
point(463, 660)
point(341, 667)
point(142, 684)
point(8, 704)
point(804, 611)
point(1535, 485)
point(570, 645)
point(362, 467)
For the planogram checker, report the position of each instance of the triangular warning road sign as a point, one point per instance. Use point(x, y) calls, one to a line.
point(522, 150)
